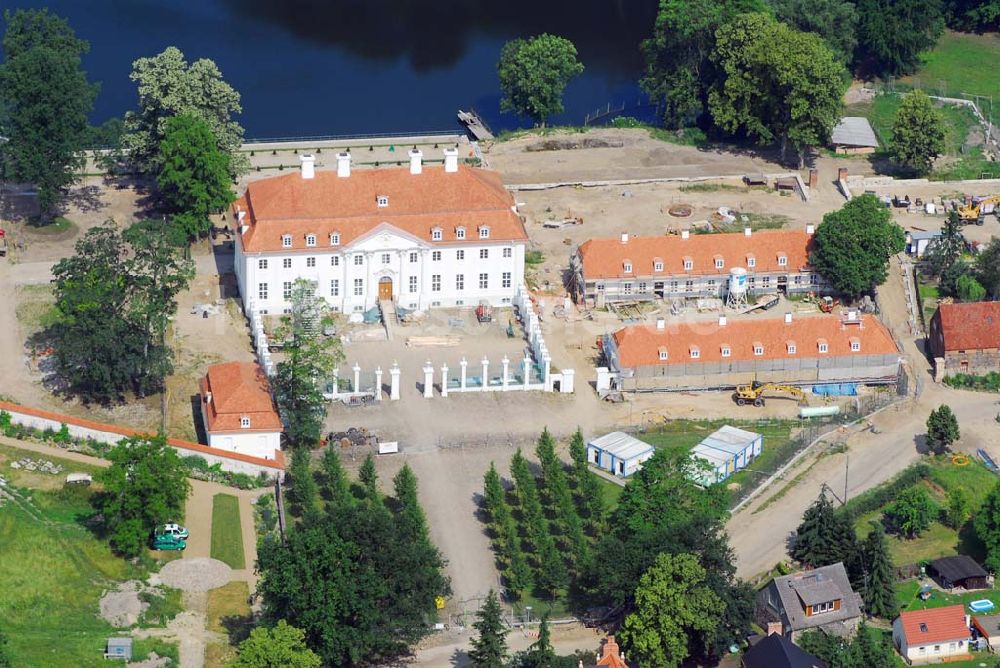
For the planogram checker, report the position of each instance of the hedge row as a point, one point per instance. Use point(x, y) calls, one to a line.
point(989, 382)
point(874, 499)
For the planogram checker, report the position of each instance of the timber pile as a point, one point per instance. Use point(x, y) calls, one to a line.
point(438, 341)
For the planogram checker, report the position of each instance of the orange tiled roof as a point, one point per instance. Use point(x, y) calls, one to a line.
point(971, 326)
point(418, 203)
point(238, 389)
point(610, 656)
point(941, 624)
point(605, 258)
point(639, 345)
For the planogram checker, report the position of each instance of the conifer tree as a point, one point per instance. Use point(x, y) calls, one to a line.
point(541, 653)
point(335, 487)
point(878, 589)
point(560, 502)
point(489, 648)
point(369, 477)
point(824, 537)
point(589, 500)
point(302, 493)
point(494, 498)
point(550, 572)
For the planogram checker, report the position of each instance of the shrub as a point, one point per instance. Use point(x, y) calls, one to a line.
point(625, 122)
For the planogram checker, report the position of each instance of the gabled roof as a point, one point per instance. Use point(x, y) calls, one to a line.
point(621, 445)
point(418, 203)
point(604, 258)
point(854, 131)
point(234, 390)
point(820, 585)
point(729, 439)
point(970, 326)
point(777, 651)
point(934, 625)
point(958, 567)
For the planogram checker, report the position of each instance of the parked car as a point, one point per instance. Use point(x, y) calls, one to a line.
point(175, 530)
point(165, 542)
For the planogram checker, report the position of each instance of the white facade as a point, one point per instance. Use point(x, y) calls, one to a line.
point(932, 652)
point(253, 443)
point(618, 453)
point(386, 263)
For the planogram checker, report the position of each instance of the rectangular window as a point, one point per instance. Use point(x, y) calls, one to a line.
point(359, 260)
point(459, 281)
point(855, 346)
point(508, 252)
point(695, 353)
point(435, 256)
point(245, 422)
point(663, 353)
point(689, 286)
point(335, 239)
point(484, 281)
point(484, 253)
point(383, 200)
point(287, 263)
point(505, 279)
point(335, 288)
point(286, 290)
point(791, 348)
point(719, 263)
point(460, 255)
point(758, 350)
point(335, 261)
point(435, 282)
point(642, 287)
point(386, 258)
point(782, 261)
point(413, 284)
point(310, 240)
point(413, 257)
point(460, 233)
point(823, 347)
point(310, 262)
point(688, 265)
point(262, 291)
point(436, 234)
point(484, 232)
point(262, 264)
point(359, 287)
point(627, 267)
point(286, 241)
point(657, 266)
point(727, 351)
point(751, 262)
point(627, 288)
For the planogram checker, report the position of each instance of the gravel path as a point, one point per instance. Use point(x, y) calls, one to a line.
point(193, 575)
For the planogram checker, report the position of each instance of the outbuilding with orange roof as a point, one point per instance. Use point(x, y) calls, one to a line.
point(238, 411)
point(965, 338)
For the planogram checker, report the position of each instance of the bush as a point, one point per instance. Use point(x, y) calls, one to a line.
point(989, 382)
point(874, 499)
point(626, 122)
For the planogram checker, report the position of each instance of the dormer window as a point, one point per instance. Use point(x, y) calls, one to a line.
point(335, 238)
point(286, 240)
point(695, 352)
point(245, 422)
point(751, 261)
point(383, 201)
point(790, 345)
point(727, 351)
point(688, 264)
point(719, 262)
point(437, 234)
point(310, 240)
point(758, 349)
point(459, 232)
point(657, 265)
point(822, 346)
point(484, 232)
point(627, 266)
point(663, 354)
point(855, 345)
point(782, 260)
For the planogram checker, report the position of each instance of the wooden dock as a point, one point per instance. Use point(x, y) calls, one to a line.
point(475, 125)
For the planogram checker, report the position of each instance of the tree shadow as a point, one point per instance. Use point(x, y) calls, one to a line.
point(921, 445)
point(460, 659)
point(84, 198)
point(198, 419)
point(970, 544)
point(237, 627)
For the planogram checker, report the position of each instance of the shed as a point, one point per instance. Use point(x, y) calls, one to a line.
point(726, 451)
point(918, 241)
point(958, 571)
point(854, 135)
point(119, 648)
point(988, 627)
point(618, 453)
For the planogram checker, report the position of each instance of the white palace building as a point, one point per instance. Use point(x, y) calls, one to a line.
point(421, 237)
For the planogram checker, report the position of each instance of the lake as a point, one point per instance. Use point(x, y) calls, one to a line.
point(309, 67)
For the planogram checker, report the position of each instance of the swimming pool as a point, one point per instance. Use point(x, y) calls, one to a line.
point(982, 605)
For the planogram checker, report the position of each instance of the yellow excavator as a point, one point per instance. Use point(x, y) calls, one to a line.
point(975, 212)
point(754, 393)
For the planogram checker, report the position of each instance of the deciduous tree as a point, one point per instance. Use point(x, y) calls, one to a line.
point(969, 289)
point(987, 268)
point(893, 33)
point(917, 134)
point(853, 245)
point(942, 429)
point(824, 537)
point(775, 84)
point(145, 486)
point(987, 525)
point(534, 73)
point(672, 603)
point(194, 177)
point(868, 649)
point(977, 15)
point(489, 647)
point(310, 358)
point(959, 507)
point(835, 21)
point(168, 86)
point(280, 646)
point(911, 513)
point(46, 99)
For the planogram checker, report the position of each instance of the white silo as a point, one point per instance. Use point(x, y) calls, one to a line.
point(737, 289)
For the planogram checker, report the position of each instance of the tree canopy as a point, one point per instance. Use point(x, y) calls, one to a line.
point(893, 33)
point(168, 86)
point(911, 513)
point(852, 245)
point(833, 20)
point(145, 486)
point(46, 98)
point(877, 577)
point(947, 249)
point(114, 298)
point(194, 176)
point(869, 648)
point(977, 15)
point(917, 134)
point(824, 537)
point(280, 646)
point(942, 428)
point(987, 268)
point(775, 83)
point(489, 647)
point(534, 73)
point(987, 525)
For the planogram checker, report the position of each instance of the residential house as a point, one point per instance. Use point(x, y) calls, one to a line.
point(693, 265)
point(700, 354)
point(987, 627)
point(965, 338)
point(610, 656)
point(238, 411)
point(419, 237)
point(959, 571)
point(618, 453)
point(853, 135)
point(726, 451)
point(820, 599)
point(777, 651)
point(933, 635)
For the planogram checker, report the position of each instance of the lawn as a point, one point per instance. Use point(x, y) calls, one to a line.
point(227, 534)
point(228, 613)
point(906, 595)
point(610, 491)
point(35, 308)
point(958, 65)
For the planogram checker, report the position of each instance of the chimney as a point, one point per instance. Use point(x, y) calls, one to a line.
point(842, 174)
point(343, 165)
point(685, 234)
point(416, 161)
point(451, 160)
point(610, 649)
point(788, 317)
point(747, 231)
point(722, 321)
point(661, 323)
point(810, 229)
point(774, 628)
point(308, 165)
point(624, 237)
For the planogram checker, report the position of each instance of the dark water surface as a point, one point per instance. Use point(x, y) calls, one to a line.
point(315, 67)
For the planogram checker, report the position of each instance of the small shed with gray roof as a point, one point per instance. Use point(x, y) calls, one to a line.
point(818, 599)
point(618, 453)
point(854, 135)
point(725, 452)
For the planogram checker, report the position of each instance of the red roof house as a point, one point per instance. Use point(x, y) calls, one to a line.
point(238, 411)
point(966, 337)
point(933, 635)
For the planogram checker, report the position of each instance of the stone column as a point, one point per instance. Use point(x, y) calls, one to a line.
point(486, 374)
point(394, 380)
point(506, 368)
point(546, 366)
point(428, 380)
point(378, 383)
point(465, 364)
point(336, 381)
point(357, 377)
point(527, 370)
point(444, 380)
